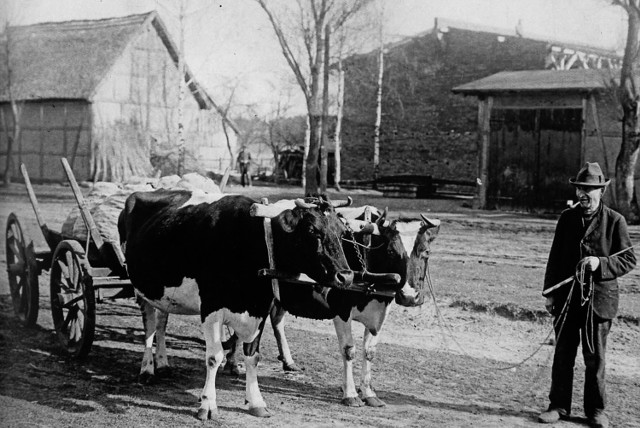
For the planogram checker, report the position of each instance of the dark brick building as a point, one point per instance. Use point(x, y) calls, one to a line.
point(426, 129)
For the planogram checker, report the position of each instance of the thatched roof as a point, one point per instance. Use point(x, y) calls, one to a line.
point(68, 60)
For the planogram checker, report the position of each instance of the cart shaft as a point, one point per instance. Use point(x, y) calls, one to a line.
point(32, 198)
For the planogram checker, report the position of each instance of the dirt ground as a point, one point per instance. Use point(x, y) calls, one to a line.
point(455, 363)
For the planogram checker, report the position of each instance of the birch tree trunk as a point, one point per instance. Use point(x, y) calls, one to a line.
point(305, 155)
point(338, 135)
point(376, 130)
point(181, 93)
point(325, 113)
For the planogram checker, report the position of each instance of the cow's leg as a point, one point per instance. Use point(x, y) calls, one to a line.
point(257, 405)
point(212, 329)
point(231, 367)
point(348, 352)
point(162, 362)
point(147, 371)
point(277, 315)
point(370, 341)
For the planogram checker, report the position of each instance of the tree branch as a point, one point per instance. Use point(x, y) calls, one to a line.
point(286, 50)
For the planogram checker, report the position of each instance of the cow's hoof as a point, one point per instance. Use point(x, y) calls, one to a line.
point(163, 372)
point(374, 402)
point(204, 413)
point(293, 367)
point(259, 412)
point(146, 378)
point(352, 402)
point(231, 369)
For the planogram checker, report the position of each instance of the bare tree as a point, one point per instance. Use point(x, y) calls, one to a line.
point(376, 130)
point(13, 137)
point(224, 111)
point(276, 135)
point(350, 38)
point(183, 14)
point(313, 17)
point(628, 97)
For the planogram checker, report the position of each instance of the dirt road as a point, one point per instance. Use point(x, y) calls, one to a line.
point(449, 366)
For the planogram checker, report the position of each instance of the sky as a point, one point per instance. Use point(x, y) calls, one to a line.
point(230, 43)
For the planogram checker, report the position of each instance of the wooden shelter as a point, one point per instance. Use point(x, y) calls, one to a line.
point(536, 129)
point(104, 94)
point(425, 129)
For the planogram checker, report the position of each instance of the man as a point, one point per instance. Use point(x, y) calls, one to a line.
point(244, 161)
point(591, 242)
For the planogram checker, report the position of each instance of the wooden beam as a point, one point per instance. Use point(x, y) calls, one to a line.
point(484, 131)
point(538, 100)
point(596, 123)
point(583, 132)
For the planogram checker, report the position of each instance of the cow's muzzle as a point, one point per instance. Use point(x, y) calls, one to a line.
point(409, 297)
point(343, 278)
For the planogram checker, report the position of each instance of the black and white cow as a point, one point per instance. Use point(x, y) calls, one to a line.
point(187, 254)
point(384, 253)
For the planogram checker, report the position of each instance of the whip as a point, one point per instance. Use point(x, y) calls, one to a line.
point(549, 290)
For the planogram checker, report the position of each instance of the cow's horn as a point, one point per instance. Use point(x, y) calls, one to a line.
point(340, 204)
point(300, 203)
point(430, 222)
point(383, 217)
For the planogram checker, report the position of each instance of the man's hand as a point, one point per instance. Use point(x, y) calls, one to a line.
point(591, 263)
point(549, 304)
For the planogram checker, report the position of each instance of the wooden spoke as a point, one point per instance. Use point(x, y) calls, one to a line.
point(22, 270)
point(72, 298)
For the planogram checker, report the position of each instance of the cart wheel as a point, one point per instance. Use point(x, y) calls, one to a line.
point(73, 303)
point(22, 269)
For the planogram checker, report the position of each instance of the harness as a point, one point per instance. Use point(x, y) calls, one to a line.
point(268, 211)
point(268, 238)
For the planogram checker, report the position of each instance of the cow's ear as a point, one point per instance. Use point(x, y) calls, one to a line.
point(287, 220)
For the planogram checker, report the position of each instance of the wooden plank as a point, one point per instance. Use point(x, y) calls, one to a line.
point(32, 198)
point(361, 287)
point(541, 100)
point(82, 204)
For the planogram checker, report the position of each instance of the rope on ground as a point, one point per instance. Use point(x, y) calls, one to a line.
point(578, 277)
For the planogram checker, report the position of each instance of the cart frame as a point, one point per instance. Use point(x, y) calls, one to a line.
point(80, 271)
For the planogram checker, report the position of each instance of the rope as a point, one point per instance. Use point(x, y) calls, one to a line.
point(560, 319)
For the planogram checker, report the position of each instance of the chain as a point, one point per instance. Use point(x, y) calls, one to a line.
point(357, 246)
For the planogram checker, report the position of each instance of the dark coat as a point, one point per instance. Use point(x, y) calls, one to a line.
point(606, 235)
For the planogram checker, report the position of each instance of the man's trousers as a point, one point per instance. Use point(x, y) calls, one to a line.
point(581, 325)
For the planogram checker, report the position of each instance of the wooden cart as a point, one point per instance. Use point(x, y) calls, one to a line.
point(80, 272)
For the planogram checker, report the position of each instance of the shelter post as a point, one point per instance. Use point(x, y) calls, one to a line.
point(484, 115)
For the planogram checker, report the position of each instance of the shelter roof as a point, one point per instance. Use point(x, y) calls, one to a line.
point(580, 80)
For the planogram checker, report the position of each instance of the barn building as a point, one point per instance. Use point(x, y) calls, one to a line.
point(104, 94)
point(537, 128)
point(427, 130)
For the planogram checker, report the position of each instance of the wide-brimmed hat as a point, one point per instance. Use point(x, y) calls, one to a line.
point(590, 175)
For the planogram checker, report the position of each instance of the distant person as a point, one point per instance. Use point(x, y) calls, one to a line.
point(591, 242)
point(244, 162)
